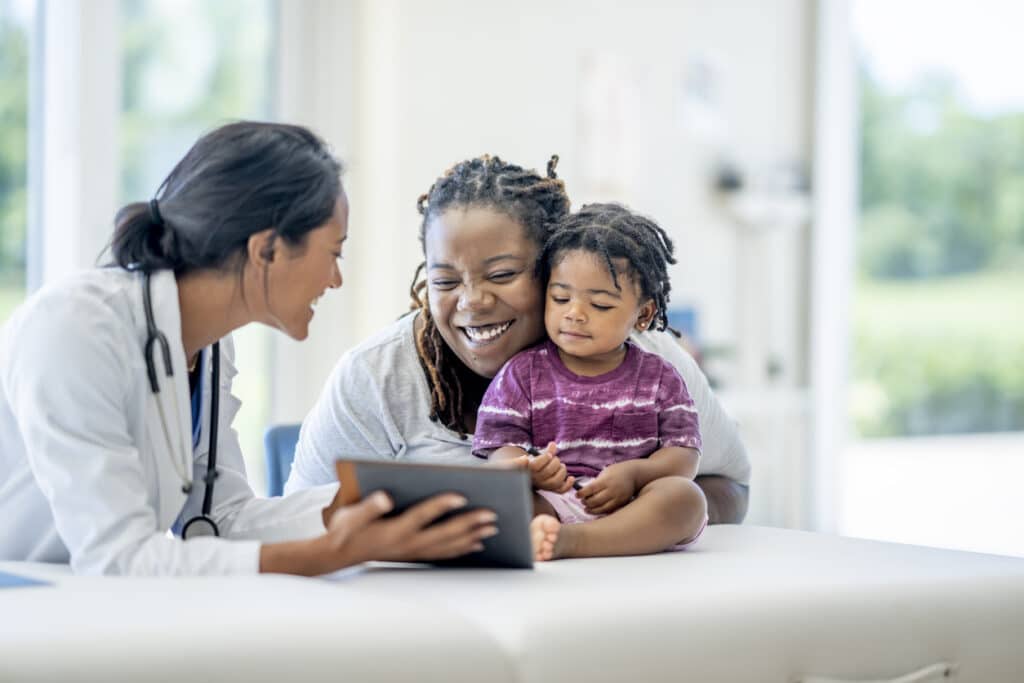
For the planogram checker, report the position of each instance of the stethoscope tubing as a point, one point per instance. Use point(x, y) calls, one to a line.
point(202, 524)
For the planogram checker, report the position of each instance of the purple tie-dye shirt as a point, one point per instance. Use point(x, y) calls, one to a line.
point(628, 413)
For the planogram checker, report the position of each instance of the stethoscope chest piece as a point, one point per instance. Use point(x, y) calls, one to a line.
point(198, 526)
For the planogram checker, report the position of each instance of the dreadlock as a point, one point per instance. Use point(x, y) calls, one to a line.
point(614, 232)
point(536, 202)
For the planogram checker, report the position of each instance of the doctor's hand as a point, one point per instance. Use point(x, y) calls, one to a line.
point(358, 533)
point(413, 535)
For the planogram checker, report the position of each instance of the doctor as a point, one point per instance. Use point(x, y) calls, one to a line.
point(116, 448)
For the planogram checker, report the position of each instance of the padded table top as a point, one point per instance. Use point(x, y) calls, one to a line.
point(747, 604)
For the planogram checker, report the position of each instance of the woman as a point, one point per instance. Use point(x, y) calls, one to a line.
point(412, 391)
point(99, 455)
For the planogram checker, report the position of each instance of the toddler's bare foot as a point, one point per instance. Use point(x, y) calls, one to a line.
point(544, 536)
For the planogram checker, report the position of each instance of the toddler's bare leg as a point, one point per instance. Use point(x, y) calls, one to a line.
point(541, 506)
point(543, 529)
point(666, 511)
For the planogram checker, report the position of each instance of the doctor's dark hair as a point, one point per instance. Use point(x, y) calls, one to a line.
point(611, 231)
point(235, 181)
point(537, 202)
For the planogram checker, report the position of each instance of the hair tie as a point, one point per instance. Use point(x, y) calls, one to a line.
point(154, 213)
point(552, 165)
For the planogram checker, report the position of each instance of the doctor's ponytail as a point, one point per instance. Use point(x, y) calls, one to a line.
point(235, 181)
point(143, 240)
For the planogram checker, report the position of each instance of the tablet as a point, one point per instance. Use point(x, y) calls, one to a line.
point(505, 491)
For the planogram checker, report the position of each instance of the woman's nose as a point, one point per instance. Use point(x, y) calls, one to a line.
point(474, 297)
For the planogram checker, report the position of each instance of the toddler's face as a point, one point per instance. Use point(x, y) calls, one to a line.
point(585, 315)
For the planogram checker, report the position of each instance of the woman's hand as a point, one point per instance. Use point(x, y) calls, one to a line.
point(611, 489)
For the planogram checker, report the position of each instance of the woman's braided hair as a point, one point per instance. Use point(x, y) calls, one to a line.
point(536, 202)
point(612, 231)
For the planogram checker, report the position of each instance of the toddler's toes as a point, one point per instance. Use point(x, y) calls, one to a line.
point(544, 534)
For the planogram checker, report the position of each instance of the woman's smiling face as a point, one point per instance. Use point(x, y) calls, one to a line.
point(483, 296)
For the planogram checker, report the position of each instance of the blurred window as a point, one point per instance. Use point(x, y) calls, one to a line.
point(937, 390)
point(16, 23)
point(188, 66)
point(938, 324)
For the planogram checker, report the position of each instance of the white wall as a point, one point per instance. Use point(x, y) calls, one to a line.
point(438, 82)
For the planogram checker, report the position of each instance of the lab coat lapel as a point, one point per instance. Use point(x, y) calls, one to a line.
point(173, 399)
point(167, 313)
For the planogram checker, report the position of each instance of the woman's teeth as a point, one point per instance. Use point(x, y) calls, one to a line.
point(487, 332)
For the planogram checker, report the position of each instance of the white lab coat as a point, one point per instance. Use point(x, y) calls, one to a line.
point(86, 475)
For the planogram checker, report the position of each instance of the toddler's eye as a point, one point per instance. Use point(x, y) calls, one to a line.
point(559, 299)
point(602, 307)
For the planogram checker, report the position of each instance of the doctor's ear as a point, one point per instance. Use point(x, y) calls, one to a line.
point(261, 247)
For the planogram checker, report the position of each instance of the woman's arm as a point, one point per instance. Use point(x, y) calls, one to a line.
point(664, 462)
point(727, 499)
point(351, 418)
point(724, 466)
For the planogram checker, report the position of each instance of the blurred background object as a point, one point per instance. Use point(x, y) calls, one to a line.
point(842, 178)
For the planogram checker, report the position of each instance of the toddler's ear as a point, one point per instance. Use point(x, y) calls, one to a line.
point(646, 316)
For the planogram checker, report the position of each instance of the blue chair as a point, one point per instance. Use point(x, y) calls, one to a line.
point(279, 442)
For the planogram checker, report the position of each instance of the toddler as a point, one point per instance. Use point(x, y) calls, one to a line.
point(617, 428)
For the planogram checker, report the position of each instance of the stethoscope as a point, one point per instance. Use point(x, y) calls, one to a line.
point(202, 524)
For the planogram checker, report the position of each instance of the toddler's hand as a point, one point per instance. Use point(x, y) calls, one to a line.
point(548, 473)
point(609, 491)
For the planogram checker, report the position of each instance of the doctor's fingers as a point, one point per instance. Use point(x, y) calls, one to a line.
point(459, 535)
point(422, 514)
point(347, 520)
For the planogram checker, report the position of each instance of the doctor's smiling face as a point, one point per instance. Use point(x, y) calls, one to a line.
point(294, 277)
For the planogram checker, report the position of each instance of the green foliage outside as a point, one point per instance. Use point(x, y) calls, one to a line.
point(939, 310)
point(188, 66)
point(14, 53)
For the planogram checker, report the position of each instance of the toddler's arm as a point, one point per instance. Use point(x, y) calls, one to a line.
point(665, 462)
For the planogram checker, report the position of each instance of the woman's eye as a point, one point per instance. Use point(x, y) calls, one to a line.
point(443, 284)
point(503, 276)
